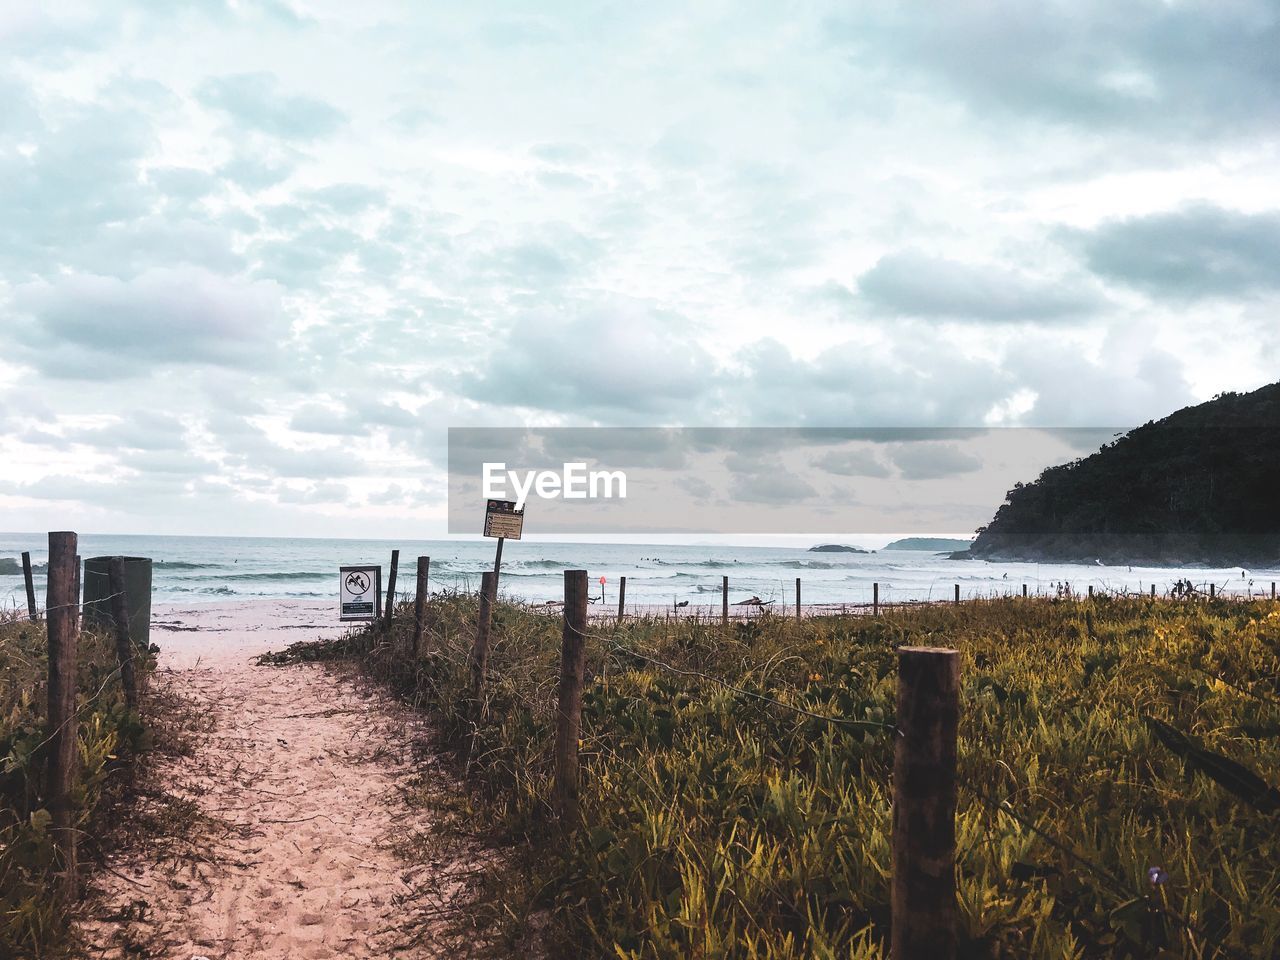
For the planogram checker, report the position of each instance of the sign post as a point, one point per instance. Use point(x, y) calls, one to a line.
point(360, 593)
point(502, 519)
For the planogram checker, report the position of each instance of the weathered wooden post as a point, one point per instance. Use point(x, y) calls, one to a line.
point(957, 593)
point(420, 603)
point(62, 699)
point(1024, 591)
point(480, 650)
point(622, 596)
point(124, 643)
point(875, 599)
point(798, 617)
point(1091, 591)
point(76, 591)
point(1211, 587)
point(569, 706)
point(31, 586)
point(923, 922)
point(724, 601)
point(391, 588)
point(1273, 589)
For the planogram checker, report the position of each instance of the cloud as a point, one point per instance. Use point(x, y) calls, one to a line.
point(853, 463)
point(933, 461)
point(255, 101)
point(911, 283)
point(102, 328)
point(616, 359)
point(1184, 70)
point(1191, 253)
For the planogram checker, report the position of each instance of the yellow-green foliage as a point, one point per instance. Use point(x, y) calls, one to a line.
point(32, 914)
point(721, 825)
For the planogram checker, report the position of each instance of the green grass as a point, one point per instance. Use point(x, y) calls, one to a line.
point(721, 825)
point(33, 913)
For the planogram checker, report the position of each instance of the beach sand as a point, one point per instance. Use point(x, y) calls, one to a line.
point(300, 772)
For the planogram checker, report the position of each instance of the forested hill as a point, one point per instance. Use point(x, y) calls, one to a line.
point(1200, 486)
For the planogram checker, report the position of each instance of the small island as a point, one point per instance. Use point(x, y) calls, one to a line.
point(839, 548)
point(930, 544)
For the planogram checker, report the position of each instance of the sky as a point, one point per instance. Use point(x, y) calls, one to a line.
point(256, 257)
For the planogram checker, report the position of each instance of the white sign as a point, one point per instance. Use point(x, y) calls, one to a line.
point(502, 518)
point(360, 593)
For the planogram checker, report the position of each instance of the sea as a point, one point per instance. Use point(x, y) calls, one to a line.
point(192, 570)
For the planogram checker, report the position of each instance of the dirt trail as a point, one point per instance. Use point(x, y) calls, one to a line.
point(300, 774)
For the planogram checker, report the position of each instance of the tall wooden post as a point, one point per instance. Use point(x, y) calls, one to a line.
point(31, 586)
point(875, 599)
point(62, 699)
point(480, 650)
point(76, 593)
point(420, 603)
point(569, 705)
point(797, 598)
point(391, 588)
point(1153, 591)
point(1273, 589)
point(957, 593)
point(923, 921)
point(1024, 591)
point(622, 597)
point(724, 601)
point(1091, 591)
point(497, 564)
point(1211, 588)
point(124, 642)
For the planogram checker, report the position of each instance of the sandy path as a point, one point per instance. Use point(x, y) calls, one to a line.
point(301, 772)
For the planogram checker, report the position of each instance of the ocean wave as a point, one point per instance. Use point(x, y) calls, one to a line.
point(10, 567)
point(185, 565)
point(264, 577)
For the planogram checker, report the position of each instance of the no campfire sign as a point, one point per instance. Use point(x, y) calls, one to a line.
point(360, 593)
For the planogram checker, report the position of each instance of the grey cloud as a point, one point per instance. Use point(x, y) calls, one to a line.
point(1185, 69)
point(347, 198)
point(933, 461)
point(616, 359)
point(256, 101)
point(1197, 251)
point(97, 327)
point(853, 463)
point(914, 284)
point(139, 430)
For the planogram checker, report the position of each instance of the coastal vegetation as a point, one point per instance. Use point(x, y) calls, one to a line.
point(33, 903)
point(1198, 486)
point(1118, 766)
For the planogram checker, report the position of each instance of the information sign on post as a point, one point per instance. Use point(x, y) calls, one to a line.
point(360, 593)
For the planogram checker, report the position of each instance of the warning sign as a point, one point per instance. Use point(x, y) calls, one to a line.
point(360, 593)
point(502, 519)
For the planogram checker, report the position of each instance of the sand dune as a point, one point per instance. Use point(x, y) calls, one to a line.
point(300, 773)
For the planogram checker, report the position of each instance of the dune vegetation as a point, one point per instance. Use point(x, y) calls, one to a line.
point(1118, 758)
point(33, 906)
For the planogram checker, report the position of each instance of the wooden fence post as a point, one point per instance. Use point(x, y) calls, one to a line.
point(569, 706)
point(1024, 591)
point(957, 593)
point(391, 588)
point(1091, 591)
point(1211, 586)
point(1153, 591)
point(875, 599)
point(1273, 589)
point(61, 629)
point(622, 597)
point(31, 586)
point(124, 642)
point(76, 592)
point(420, 603)
point(923, 920)
point(724, 601)
point(797, 598)
point(480, 650)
